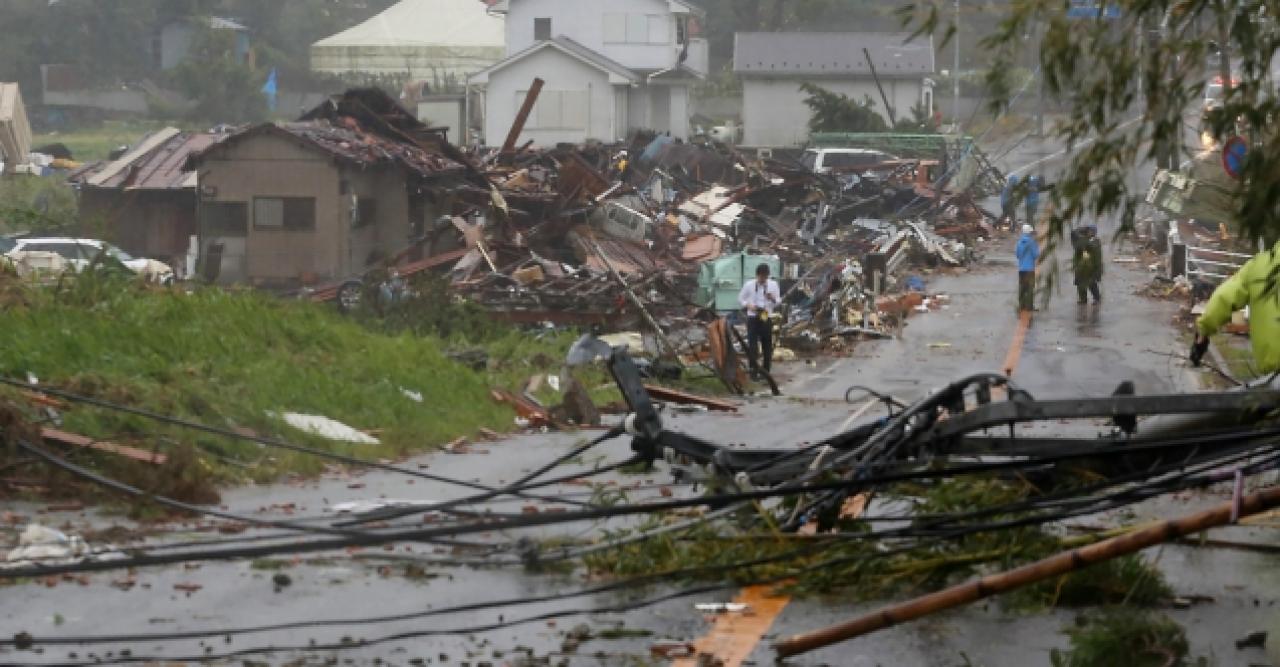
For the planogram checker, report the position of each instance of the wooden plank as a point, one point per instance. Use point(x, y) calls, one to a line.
point(674, 396)
point(75, 440)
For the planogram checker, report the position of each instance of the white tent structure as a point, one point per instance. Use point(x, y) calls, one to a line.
point(436, 41)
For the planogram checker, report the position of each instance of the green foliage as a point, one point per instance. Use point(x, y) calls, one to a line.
point(834, 112)
point(1127, 580)
point(863, 569)
point(1137, 103)
point(112, 41)
point(224, 89)
point(1124, 636)
point(30, 202)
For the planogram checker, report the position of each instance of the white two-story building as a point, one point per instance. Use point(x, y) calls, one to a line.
point(609, 67)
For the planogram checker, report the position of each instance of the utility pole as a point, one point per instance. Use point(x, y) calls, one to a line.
point(955, 73)
point(1039, 74)
point(1224, 53)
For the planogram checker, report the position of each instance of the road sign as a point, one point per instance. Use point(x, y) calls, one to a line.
point(1084, 9)
point(1233, 154)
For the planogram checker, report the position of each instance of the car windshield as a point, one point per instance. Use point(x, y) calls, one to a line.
point(7, 244)
point(117, 253)
point(809, 159)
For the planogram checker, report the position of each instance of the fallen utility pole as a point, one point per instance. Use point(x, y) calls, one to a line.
point(644, 312)
point(1029, 574)
point(522, 117)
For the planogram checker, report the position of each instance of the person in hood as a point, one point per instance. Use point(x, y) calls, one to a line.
point(1087, 264)
point(1028, 252)
point(1009, 202)
point(1256, 285)
point(1033, 198)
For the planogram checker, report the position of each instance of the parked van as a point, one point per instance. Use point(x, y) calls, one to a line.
point(835, 160)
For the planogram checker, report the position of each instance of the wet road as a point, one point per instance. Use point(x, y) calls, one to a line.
point(1068, 351)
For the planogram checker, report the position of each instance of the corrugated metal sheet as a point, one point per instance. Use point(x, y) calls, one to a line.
point(161, 166)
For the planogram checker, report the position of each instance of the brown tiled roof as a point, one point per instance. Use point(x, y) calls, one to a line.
point(351, 144)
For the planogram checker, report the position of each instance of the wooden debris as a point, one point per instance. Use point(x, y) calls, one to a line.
point(65, 438)
point(675, 396)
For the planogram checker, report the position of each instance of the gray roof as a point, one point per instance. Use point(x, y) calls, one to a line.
point(830, 54)
point(599, 59)
point(569, 47)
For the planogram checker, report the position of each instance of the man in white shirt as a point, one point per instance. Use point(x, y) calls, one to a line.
point(759, 298)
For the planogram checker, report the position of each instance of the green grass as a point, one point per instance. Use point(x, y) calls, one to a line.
point(227, 359)
point(31, 202)
point(96, 143)
point(1123, 636)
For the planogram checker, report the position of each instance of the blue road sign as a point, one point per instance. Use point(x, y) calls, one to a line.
point(1093, 10)
point(1233, 155)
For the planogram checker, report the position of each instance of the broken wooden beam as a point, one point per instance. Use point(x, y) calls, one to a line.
point(675, 396)
point(522, 117)
point(76, 440)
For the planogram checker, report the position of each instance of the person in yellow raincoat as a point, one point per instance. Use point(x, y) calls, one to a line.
point(1256, 285)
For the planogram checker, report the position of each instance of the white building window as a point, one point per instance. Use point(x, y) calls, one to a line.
point(636, 29)
point(557, 110)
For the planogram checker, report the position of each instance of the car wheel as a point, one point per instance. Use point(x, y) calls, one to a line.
point(350, 295)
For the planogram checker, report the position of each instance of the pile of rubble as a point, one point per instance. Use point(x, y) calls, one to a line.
point(659, 234)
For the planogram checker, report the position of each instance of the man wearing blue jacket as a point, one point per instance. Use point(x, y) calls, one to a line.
point(1028, 254)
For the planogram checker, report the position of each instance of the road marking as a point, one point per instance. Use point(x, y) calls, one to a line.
point(734, 636)
point(1019, 338)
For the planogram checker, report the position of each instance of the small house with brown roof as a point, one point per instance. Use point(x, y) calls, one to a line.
point(285, 205)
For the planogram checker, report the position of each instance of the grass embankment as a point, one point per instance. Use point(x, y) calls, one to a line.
point(231, 359)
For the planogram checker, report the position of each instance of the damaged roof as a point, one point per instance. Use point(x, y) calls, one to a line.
point(831, 54)
point(158, 165)
point(347, 142)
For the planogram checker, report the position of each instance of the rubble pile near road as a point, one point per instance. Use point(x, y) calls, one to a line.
point(567, 236)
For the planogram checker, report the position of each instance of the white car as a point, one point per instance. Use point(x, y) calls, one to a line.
point(80, 253)
point(828, 160)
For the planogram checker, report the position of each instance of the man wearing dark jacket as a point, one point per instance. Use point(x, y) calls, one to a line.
point(1087, 263)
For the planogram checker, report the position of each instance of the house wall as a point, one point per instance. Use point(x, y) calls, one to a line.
point(391, 229)
point(680, 112)
point(440, 65)
point(154, 224)
point(774, 113)
point(267, 166)
point(584, 22)
point(561, 73)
